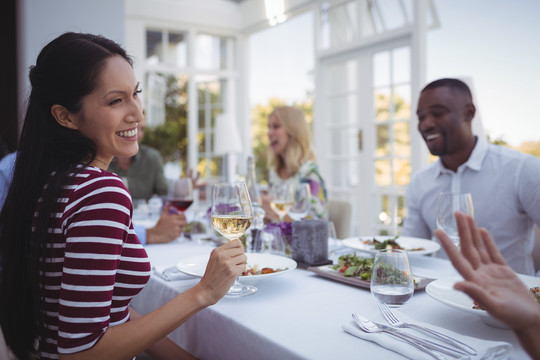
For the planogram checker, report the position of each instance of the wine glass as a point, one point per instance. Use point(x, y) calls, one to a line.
point(391, 280)
point(272, 241)
point(232, 215)
point(180, 193)
point(301, 202)
point(334, 243)
point(281, 199)
point(447, 205)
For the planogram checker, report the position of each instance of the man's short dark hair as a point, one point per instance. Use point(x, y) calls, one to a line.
point(451, 83)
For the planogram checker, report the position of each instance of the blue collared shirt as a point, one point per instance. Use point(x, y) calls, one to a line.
point(505, 188)
point(7, 165)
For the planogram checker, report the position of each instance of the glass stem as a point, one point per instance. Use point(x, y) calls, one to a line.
point(236, 287)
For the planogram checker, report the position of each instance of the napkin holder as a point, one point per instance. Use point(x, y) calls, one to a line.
point(310, 243)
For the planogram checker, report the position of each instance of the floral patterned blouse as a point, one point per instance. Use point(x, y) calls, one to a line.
point(307, 174)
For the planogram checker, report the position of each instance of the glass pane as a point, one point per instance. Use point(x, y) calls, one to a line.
point(211, 52)
point(154, 40)
point(337, 174)
point(401, 64)
point(352, 173)
point(342, 77)
point(402, 171)
point(156, 88)
point(211, 142)
point(201, 142)
point(202, 119)
point(343, 110)
point(343, 173)
point(400, 210)
point(384, 215)
point(381, 69)
point(383, 140)
point(382, 104)
point(343, 141)
point(402, 140)
point(402, 102)
point(177, 49)
point(383, 175)
point(392, 14)
point(339, 24)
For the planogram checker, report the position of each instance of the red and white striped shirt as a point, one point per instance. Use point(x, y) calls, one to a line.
point(97, 264)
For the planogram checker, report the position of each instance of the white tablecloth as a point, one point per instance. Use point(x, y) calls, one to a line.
point(298, 315)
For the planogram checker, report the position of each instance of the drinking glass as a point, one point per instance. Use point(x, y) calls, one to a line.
point(272, 241)
point(447, 205)
point(232, 215)
point(180, 193)
point(334, 243)
point(281, 199)
point(301, 202)
point(391, 280)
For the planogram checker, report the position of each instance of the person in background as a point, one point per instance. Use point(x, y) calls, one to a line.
point(71, 262)
point(143, 171)
point(292, 160)
point(504, 183)
point(6, 174)
point(145, 178)
point(492, 283)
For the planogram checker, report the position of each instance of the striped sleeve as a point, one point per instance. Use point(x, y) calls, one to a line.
point(96, 224)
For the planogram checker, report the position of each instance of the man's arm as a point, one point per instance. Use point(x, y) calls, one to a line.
point(414, 223)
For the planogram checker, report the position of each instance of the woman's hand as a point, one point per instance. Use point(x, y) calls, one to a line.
point(488, 279)
point(268, 212)
point(226, 263)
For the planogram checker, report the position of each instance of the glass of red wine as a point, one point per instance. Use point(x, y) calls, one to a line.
point(180, 194)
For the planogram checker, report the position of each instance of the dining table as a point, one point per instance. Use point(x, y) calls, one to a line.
point(299, 314)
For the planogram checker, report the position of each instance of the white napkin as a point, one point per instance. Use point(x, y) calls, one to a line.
point(170, 273)
point(491, 350)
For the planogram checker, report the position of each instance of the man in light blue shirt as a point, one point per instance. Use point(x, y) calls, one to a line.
point(6, 174)
point(504, 183)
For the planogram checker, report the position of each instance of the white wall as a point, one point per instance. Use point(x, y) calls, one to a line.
point(43, 20)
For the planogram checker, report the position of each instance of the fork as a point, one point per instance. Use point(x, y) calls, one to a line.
point(370, 327)
point(396, 322)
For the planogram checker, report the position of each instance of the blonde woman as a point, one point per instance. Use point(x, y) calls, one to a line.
point(292, 159)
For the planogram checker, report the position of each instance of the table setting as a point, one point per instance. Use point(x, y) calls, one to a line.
point(298, 313)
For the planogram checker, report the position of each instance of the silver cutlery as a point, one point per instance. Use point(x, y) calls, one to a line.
point(370, 327)
point(396, 322)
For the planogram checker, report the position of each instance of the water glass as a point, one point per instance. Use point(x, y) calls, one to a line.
point(391, 280)
point(447, 205)
point(301, 202)
point(334, 244)
point(272, 241)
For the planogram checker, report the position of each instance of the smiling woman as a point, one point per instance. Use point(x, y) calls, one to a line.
point(71, 262)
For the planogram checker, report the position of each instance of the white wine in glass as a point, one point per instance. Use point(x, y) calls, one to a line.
point(447, 205)
point(232, 215)
point(231, 226)
point(281, 199)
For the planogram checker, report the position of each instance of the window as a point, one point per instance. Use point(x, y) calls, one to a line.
point(168, 74)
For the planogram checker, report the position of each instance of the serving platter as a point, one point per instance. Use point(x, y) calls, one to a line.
point(408, 243)
point(328, 272)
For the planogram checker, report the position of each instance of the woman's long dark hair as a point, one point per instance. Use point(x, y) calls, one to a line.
point(66, 70)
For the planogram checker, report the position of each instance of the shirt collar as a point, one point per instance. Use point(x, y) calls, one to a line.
point(475, 160)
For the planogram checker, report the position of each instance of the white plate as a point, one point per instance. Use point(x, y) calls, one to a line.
point(196, 266)
point(443, 291)
point(405, 242)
